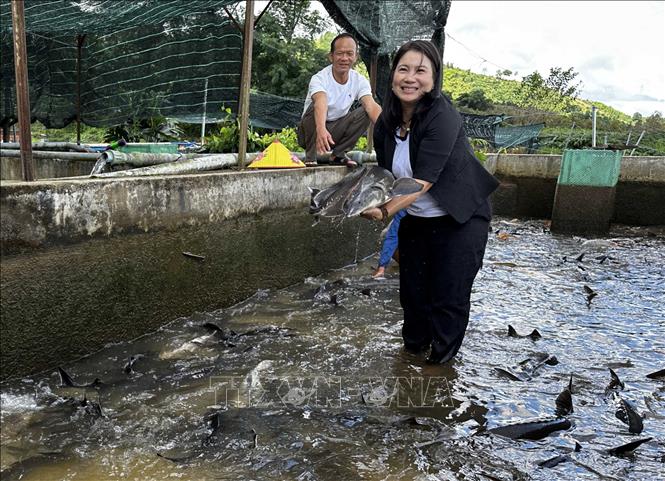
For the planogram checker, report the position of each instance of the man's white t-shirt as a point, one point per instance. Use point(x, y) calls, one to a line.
point(340, 96)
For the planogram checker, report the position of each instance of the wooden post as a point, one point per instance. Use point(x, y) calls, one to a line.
point(373, 67)
point(79, 44)
point(243, 106)
point(22, 96)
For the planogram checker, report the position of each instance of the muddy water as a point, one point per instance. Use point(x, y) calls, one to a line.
point(310, 382)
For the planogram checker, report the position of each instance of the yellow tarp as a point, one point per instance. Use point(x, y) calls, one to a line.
point(276, 156)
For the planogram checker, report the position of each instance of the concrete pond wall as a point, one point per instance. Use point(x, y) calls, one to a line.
point(86, 262)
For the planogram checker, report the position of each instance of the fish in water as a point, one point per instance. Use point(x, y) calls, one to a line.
point(532, 429)
point(615, 383)
point(216, 336)
point(67, 381)
point(657, 375)
point(362, 189)
point(627, 414)
point(556, 460)
point(510, 374)
point(533, 335)
point(129, 367)
point(564, 401)
point(628, 448)
point(590, 294)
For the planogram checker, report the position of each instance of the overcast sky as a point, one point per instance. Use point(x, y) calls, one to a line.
point(617, 47)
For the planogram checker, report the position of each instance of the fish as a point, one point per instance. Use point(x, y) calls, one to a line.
point(216, 335)
point(564, 401)
point(627, 414)
point(657, 375)
point(562, 458)
point(67, 381)
point(533, 429)
point(129, 367)
point(362, 189)
point(510, 374)
point(533, 335)
point(615, 382)
point(590, 294)
point(628, 448)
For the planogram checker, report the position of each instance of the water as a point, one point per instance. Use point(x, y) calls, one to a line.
point(318, 388)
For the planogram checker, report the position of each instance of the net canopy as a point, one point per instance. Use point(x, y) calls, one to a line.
point(173, 58)
point(139, 58)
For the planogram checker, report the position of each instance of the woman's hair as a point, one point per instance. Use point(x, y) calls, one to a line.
point(392, 108)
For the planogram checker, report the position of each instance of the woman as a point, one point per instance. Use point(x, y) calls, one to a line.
point(443, 236)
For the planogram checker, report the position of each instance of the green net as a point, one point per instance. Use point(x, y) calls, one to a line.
point(173, 58)
point(597, 168)
point(517, 135)
point(141, 58)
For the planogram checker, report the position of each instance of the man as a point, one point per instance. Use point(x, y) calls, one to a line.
point(327, 122)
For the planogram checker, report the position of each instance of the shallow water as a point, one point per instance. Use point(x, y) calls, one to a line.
point(315, 386)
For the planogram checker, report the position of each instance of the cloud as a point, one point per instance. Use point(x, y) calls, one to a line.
point(600, 62)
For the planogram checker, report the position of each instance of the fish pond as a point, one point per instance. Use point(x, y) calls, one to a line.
point(310, 382)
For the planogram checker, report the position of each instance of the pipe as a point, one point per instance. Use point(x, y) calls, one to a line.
point(48, 146)
point(189, 166)
point(40, 154)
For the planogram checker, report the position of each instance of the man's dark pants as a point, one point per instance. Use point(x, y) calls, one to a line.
point(345, 132)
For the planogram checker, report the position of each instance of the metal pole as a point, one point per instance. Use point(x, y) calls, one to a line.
point(79, 44)
point(372, 82)
point(593, 126)
point(22, 96)
point(203, 122)
point(243, 107)
point(638, 142)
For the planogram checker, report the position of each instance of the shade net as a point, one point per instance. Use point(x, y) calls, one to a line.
point(139, 59)
point(173, 58)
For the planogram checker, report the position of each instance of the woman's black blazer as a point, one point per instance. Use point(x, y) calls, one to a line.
point(440, 153)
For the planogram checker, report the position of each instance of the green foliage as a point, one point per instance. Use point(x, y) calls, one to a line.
point(286, 50)
point(89, 135)
point(225, 137)
point(153, 129)
point(475, 100)
point(361, 145)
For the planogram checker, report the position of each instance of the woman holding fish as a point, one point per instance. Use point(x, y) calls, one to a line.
point(442, 238)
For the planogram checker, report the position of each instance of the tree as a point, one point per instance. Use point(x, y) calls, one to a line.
point(561, 80)
point(286, 52)
point(475, 100)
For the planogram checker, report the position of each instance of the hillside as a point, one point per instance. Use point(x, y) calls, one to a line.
point(508, 92)
point(567, 121)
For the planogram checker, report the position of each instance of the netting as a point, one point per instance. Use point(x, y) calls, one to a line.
point(139, 58)
point(517, 135)
point(173, 58)
point(597, 168)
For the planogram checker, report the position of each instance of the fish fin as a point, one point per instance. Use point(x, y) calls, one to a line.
point(578, 447)
point(535, 334)
point(65, 379)
point(512, 332)
point(405, 186)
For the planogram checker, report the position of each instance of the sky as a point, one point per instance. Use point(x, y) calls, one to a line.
point(617, 47)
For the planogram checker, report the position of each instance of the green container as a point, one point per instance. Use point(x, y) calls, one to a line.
point(596, 168)
point(151, 148)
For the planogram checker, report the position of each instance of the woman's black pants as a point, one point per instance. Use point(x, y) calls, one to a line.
point(438, 261)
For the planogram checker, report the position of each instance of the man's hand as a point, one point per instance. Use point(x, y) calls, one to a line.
point(324, 141)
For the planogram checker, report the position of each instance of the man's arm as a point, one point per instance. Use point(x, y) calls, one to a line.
point(371, 107)
point(324, 140)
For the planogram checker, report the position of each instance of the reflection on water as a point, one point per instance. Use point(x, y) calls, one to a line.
point(310, 382)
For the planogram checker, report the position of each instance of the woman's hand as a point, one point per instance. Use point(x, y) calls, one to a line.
point(372, 214)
